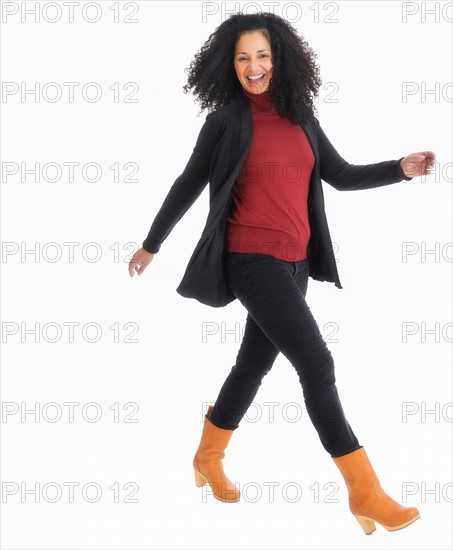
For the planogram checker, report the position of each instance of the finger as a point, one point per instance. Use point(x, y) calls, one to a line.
point(133, 266)
point(428, 154)
point(430, 158)
point(139, 267)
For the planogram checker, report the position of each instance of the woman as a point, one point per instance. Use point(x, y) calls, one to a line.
point(264, 153)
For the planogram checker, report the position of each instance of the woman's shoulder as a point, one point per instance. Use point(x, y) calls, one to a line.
point(223, 113)
point(222, 118)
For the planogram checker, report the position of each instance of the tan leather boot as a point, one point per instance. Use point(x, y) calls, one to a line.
point(207, 461)
point(367, 500)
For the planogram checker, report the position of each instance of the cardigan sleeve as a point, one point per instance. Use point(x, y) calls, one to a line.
point(344, 176)
point(187, 187)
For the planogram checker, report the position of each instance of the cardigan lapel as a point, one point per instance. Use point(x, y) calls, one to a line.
point(245, 131)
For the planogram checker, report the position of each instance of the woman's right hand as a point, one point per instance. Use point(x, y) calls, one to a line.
point(139, 261)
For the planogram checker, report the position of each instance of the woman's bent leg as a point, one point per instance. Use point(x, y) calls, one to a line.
point(254, 360)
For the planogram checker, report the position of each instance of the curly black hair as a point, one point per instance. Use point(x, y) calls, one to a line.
point(295, 76)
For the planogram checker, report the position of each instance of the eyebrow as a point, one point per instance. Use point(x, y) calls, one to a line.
point(258, 51)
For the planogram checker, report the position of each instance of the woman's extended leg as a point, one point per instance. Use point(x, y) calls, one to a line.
point(268, 289)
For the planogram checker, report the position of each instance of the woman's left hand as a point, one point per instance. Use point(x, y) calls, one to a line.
point(418, 164)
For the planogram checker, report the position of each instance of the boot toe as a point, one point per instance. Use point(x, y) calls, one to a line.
point(402, 519)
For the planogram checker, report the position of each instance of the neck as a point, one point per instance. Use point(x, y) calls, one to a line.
point(260, 102)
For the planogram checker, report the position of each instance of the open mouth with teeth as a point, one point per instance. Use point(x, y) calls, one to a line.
point(255, 78)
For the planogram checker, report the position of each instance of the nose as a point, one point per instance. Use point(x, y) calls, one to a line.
point(254, 67)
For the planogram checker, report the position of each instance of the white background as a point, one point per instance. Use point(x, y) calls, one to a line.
point(171, 372)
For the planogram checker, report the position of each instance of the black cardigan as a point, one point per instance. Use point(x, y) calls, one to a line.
point(221, 148)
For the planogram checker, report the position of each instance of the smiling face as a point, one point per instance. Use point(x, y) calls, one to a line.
point(252, 58)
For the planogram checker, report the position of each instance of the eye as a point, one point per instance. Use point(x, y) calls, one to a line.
point(262, 55)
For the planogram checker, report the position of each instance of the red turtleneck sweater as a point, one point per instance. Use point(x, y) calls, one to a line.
point(269, 213)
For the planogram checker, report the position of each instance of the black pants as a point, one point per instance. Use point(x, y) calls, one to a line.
point(279, 320)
